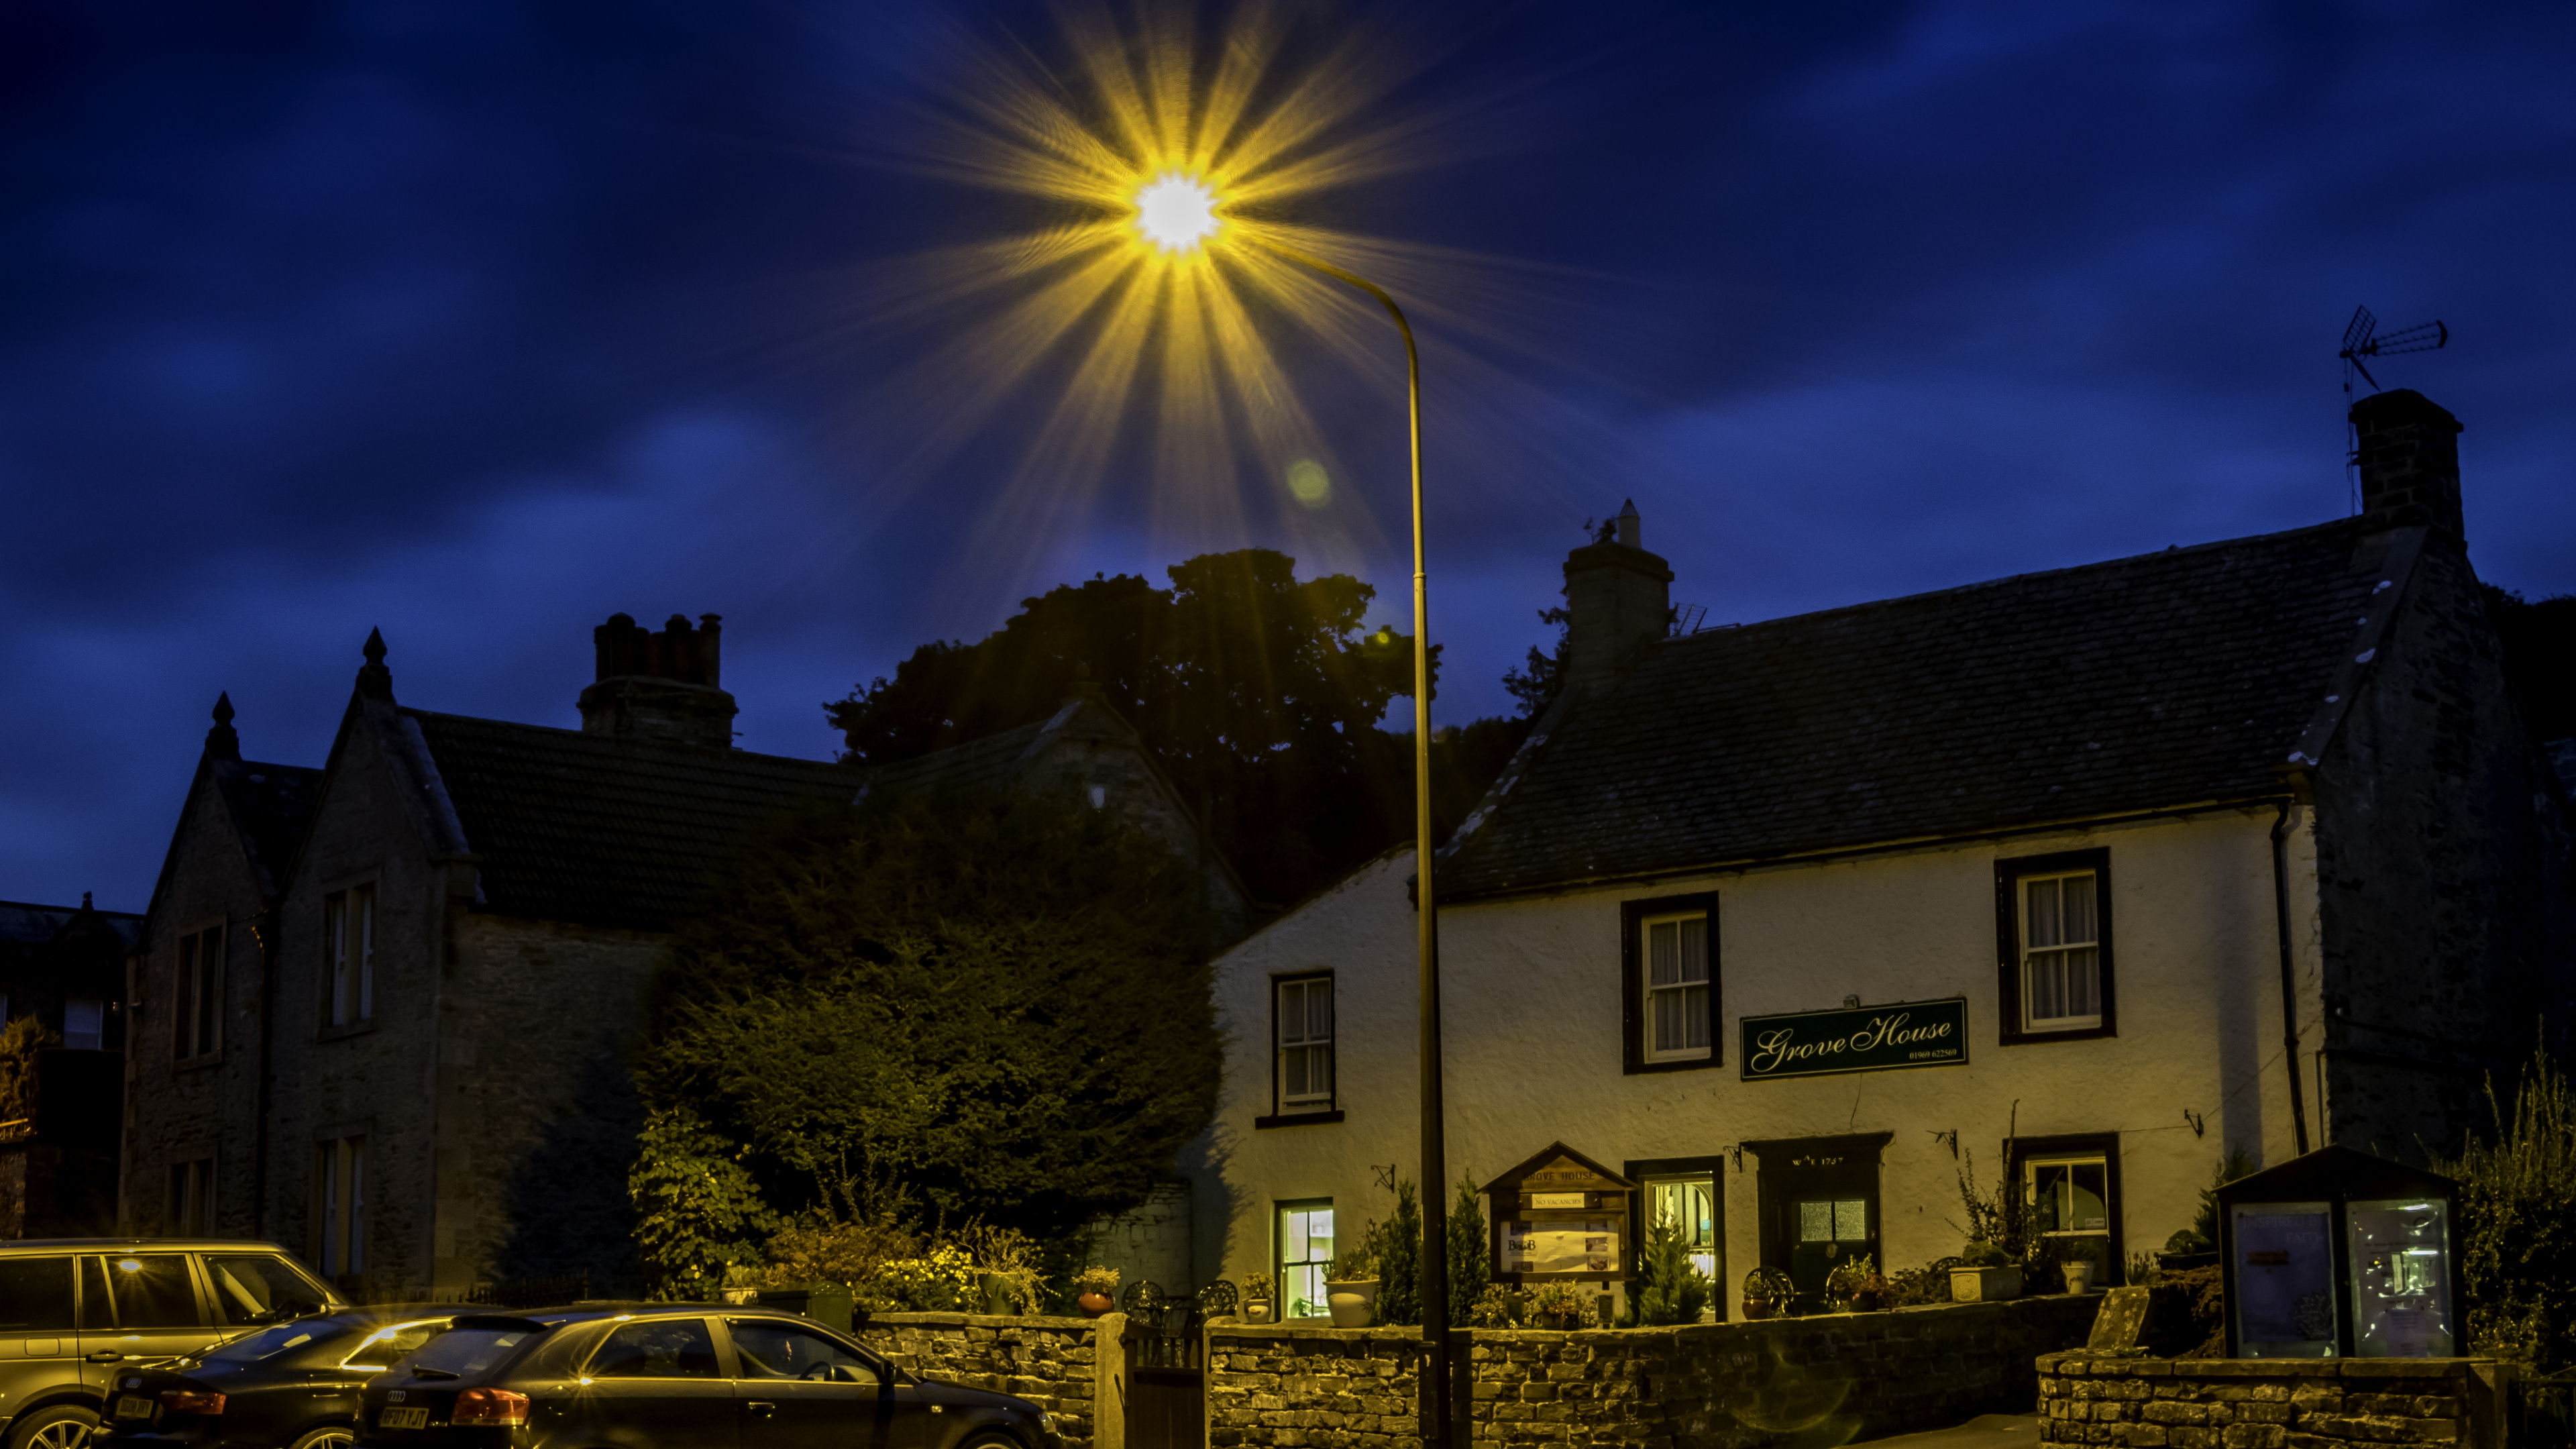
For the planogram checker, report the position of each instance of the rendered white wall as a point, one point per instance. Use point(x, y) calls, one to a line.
point(1532, 1009)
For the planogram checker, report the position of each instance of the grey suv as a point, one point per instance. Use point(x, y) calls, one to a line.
point(75, 1310)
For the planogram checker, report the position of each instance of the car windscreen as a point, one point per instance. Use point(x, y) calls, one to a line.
point(267, 1343)
point(467, 1351)
point(262, 1288)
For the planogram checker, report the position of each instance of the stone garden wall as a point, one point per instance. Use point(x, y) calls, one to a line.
point(2161, 1403)
point(1702, 1386)
point(1054, 1362)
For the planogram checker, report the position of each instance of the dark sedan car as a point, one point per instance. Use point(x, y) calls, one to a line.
point(675, 1376)
point(290, 1386)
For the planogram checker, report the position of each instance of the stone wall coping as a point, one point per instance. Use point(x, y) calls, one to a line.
point(1412, 1333)
point(2079, 1363)
point(974, 1320)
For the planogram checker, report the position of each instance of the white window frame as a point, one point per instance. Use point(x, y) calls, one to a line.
point(1649, 994)
point(2031, 1021)
point(349, 957)
point(1308, 1268)
point(1301, 1038)
point(94, 1039)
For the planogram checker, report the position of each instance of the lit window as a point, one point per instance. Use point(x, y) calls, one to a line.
point(1689, 1204)
point(2070, 1201)
point(1305, 1251)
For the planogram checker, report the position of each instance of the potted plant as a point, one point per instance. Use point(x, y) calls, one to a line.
point(1767, 1292)
point(1350, 1287)
point(1844, 1283)
point(1561, 1306)
point(1256, 1298)
point(1093, 1289)
point(1986, 1274)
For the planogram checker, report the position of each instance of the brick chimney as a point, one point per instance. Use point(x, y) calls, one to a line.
point(659, 687)
point(2408, 451)
point(1619, 601)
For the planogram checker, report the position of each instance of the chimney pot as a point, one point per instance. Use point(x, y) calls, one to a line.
point(659, 687)
point(1631, 527)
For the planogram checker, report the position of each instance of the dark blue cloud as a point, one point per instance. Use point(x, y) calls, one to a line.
point(478, 321)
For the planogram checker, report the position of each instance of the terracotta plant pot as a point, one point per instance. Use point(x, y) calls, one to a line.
point(1094, 1304)
point(1757, 1308)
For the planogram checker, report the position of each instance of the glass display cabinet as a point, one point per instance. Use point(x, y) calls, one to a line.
point(2339, 1254)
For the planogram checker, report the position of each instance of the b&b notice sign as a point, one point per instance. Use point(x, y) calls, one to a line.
point(1856, 1039)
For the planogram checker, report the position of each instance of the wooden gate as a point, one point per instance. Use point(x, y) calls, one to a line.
point(1166, 1380)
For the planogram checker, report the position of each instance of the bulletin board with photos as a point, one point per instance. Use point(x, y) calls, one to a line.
point(1560, 1217)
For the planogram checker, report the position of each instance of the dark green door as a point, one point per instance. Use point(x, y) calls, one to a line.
point(1827, 1228)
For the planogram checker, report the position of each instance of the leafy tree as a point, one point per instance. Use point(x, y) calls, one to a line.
point(954, 1007)
point(2517, 1224)
point(1258, 693)
point(2539, 657)
point(698, 1212)
point(1537, 683)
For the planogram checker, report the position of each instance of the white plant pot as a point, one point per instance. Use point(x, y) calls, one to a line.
point(1353, 1303)
point(1984, 1285)
point(1257, 1311)
point(2079, 1275)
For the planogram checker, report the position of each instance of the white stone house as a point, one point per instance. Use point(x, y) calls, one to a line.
point(2238, 845)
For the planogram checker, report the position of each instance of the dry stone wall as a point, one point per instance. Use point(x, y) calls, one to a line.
point(2161, 1403)
point(1702, 1386)
point(1052, 1362)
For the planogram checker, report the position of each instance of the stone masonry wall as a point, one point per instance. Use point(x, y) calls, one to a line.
point(1052, 1362)
point(2157, 1403)
point(1702, 1386)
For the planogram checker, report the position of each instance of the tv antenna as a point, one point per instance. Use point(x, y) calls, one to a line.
point(2361, 339)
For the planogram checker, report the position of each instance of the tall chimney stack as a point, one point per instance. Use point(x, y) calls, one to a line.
point(1618, 599)
point(659, 687)
point(2408, 452)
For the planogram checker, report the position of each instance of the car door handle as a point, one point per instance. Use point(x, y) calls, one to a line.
point(761, 1409)
point(105, 1356)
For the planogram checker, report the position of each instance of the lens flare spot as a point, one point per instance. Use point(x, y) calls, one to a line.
point(1309, 484)
point(1176, 212)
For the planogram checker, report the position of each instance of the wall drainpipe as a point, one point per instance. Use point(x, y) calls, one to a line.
point(2289, 979)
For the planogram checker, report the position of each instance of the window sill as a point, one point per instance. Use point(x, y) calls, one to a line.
point(355, 1028)
point(1298, 1119)
point(2072, 1033)
point(1683, 1064)
point(197, 1064)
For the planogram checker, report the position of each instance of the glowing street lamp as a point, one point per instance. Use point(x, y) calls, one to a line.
point(1178, 214)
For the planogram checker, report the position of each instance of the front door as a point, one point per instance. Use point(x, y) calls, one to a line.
point(1819, 1200)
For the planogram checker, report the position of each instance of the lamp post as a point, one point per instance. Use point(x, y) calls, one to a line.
point(1178, 214)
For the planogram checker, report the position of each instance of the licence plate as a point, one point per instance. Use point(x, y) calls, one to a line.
point(403, 1419)
point(130, 1407)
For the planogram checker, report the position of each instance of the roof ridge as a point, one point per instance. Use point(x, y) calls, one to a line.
point(692, 751)
point(66, 910)
point(2175, 551)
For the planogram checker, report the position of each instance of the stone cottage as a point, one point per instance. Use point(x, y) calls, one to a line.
point(2076, 878)
point(382, 1009)
point(63, 969)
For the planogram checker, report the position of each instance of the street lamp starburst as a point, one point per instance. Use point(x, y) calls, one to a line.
point(1176, 212)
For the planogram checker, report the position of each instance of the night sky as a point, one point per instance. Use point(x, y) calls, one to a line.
point(477, 322)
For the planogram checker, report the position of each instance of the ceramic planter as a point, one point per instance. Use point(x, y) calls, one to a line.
point(1353, 1302)
point(1257, 1311)
point(1984, 1285)
point(1094, 1304)
point(2079, 1275)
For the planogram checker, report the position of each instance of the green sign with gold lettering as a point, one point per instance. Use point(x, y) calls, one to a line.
point(1857, 1039)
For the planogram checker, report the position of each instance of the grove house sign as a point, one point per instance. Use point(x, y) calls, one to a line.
point(1857, 1039)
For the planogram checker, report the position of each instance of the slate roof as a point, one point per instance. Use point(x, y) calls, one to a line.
point(270, 805)
point(2168, 679)
point(24, 924)
point(568, 826)
point(985, 764)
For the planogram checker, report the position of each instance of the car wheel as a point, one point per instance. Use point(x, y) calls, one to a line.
point(990, 1439)
point(329, 1436)
point(64, 1426)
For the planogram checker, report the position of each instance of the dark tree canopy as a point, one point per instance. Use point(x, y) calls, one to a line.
point(1258, 693)
point(974, 1007)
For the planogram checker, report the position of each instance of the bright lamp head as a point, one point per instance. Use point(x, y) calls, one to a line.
point(1176, 212)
